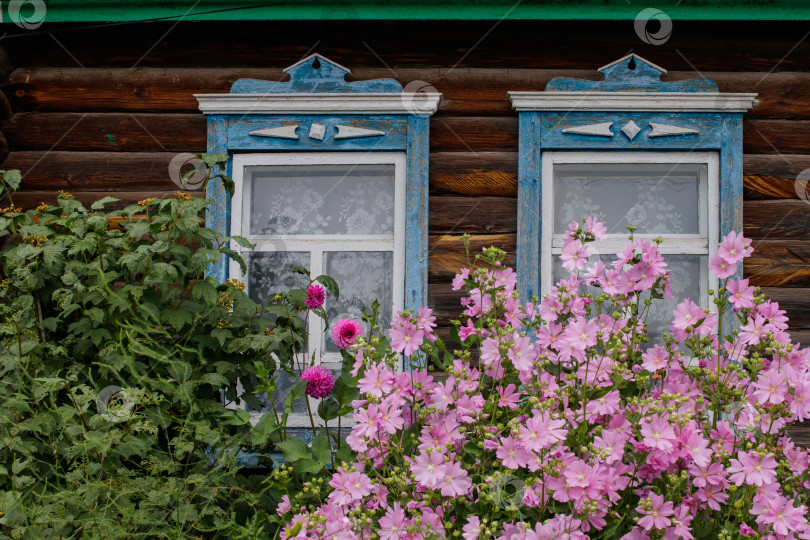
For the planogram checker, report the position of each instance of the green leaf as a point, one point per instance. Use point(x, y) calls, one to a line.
point(294, 450)
point(12, 179)
point(99, 204)
point(330, 284)
point(244, 242)
point(300, 270)
point(205, 291)
point(307, 465)
point(345, 454)
point(328, 409)
point(321, 450)
point(297, 391)
point(213, 159)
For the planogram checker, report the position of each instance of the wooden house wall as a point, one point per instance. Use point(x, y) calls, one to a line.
point(104, 108)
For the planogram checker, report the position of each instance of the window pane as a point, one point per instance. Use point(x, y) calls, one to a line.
point(270, 273)
point(321, 199)
point(684, 279)
point(657, 198)
point(363, 276)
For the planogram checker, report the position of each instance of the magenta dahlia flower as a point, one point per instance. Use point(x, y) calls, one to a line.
point(315, 296)
point(345, 333)
point(320, 381)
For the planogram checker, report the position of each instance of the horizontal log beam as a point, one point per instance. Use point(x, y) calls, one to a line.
point(466, 91)
point(459, 215)
point(776, 219)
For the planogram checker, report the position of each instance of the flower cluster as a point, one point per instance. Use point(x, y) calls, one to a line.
point(563, 419)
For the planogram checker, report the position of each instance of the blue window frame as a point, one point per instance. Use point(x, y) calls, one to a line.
point(615, 125)
point(317, 114)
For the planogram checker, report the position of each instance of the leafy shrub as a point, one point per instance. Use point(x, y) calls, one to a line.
point(560, 419)
point(116, 353)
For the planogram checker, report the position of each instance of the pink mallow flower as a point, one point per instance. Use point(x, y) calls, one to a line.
point(406, 338)
point(320, 381)
point(753, 469)
point(345, 333)
point(315, 296)
point(656, 513)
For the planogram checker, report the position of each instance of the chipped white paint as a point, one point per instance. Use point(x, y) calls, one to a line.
point(666, 130)
point(283, 132)
point(631, 129)
point(350, 132)
point(319, 103)
point(631, 101)
point(317, 131)
point(598, 130)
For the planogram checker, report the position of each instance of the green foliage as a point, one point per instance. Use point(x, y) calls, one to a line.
point(116, 353)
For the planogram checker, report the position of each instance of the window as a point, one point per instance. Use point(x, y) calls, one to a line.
point(630, 149)
point(336, 214)
point(668, 194)
point(331, 175)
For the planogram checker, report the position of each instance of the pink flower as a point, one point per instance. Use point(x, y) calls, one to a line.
point(428, 468)
point(345, 333)
point(740, 294)
point(512, 454)
point(456, 482)
point(320, 381)
point(734, 248)
point(472, 529)
point(349, 487)
point(658, 434)
point(426, 322)
point(315, 296)
point(393, 524)
point(782, 515)
point(770, 387)
point(407, 338)
point(752, 469)
point(574, 255)
point(656, 515)
point(721, 268)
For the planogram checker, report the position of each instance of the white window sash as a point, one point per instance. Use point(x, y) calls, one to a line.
point(705, 243)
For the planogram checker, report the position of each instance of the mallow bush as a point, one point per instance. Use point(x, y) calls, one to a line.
point(561, 418)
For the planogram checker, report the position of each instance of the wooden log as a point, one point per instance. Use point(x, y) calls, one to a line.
point(762, 136)
point(473, 134)
point(785, 166)
point(776, 219)
point(458, 215)
point(114, 132)
point(97, 171)
point(800, 433)
point(447, 255)
point(696, 45)
point(779, 263)
point(759, 187)
point(475, 173)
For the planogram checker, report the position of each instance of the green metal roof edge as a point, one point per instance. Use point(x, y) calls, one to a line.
point(137, 10)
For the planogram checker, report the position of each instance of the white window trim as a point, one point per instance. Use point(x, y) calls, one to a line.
point(318, 244)
point(705, 243)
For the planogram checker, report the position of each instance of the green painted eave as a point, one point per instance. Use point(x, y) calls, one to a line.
point(137, 10)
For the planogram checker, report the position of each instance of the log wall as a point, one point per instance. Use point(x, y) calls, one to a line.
point(105, 109)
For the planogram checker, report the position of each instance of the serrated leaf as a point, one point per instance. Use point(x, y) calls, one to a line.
point(243, 242)
point(297, 391)
point(12, 178)
point(328, 409)
point(321, 450)
point(295, 449)
point(205, 291)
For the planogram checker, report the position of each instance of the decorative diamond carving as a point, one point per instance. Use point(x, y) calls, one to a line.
point(317, 131)
point(631, 129)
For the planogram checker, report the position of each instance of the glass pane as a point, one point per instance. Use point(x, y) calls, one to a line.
point(270, 273)
point(657, 198)
point(321, 199)
point(685, 282)
point(363, 276)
